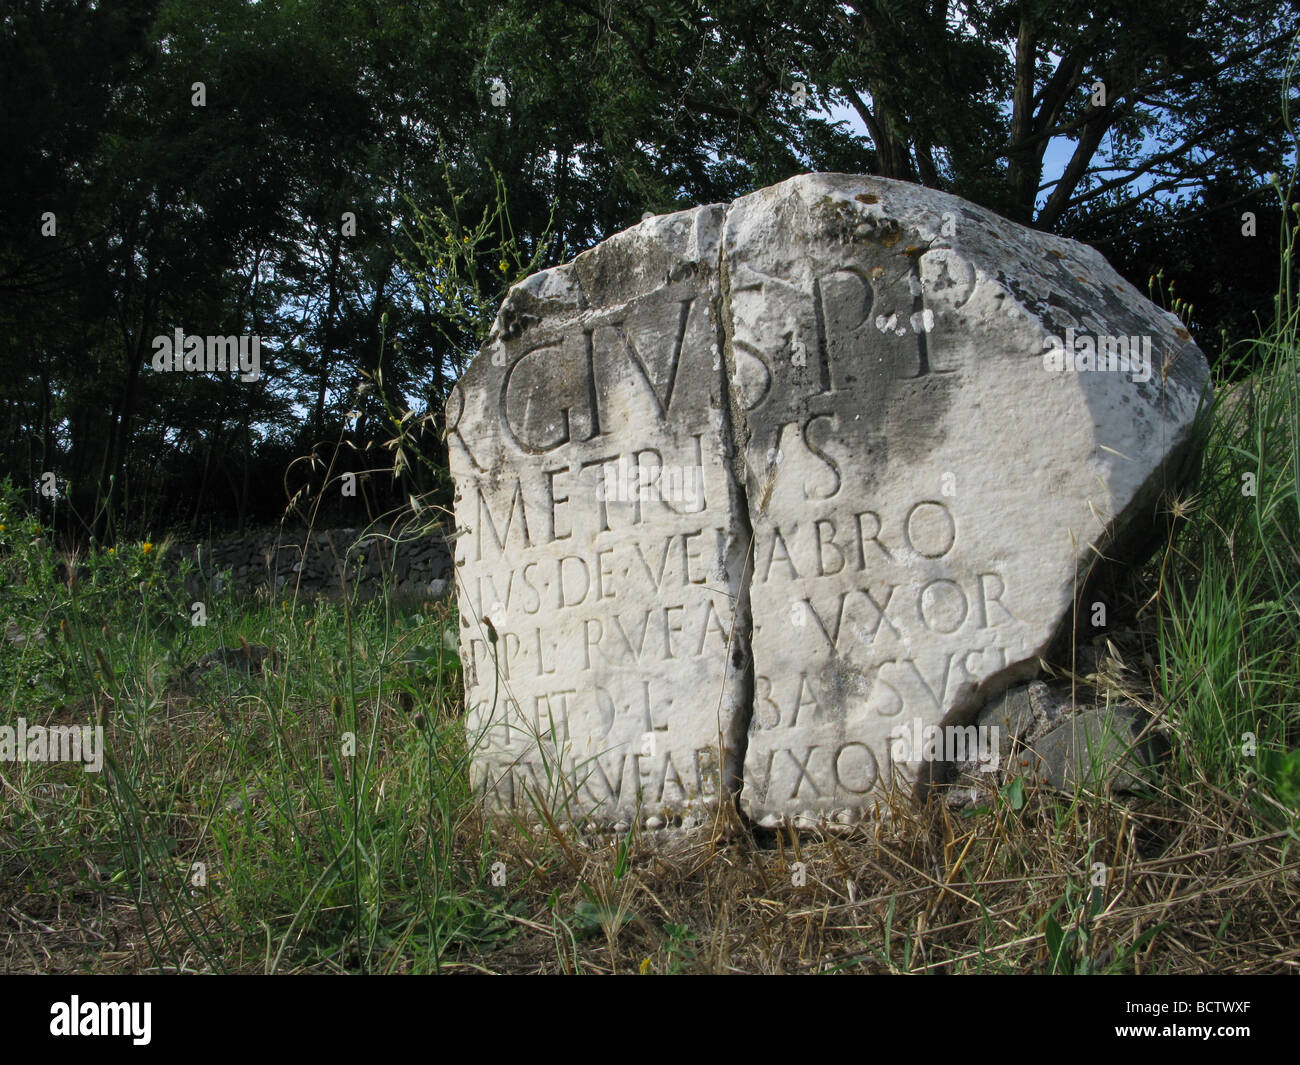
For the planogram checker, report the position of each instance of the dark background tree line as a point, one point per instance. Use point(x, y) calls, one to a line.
point(228, 218)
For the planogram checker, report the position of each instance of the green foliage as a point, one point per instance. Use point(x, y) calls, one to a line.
point(327, 834)
point(1281, 774)
point(322, 196)
point(464, 271)
point(1073, 947)
point(1228, 586)
point(467, 269)
point(69, 616)
point(680, 948)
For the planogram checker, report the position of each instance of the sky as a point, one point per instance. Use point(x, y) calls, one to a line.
point(1059, 149)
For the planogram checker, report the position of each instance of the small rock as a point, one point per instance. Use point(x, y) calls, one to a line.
point(237, 804)
point(1097, 749)
point(246, 659)
point(1012, 714)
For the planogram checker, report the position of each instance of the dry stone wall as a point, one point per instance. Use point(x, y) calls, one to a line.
point(326, 563)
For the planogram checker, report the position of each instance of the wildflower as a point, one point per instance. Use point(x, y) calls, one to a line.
point(147, 547)
point(645, 966)
point(503, 266)
point(112, 550)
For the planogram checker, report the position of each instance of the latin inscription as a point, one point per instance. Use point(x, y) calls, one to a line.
point(613, 779)
point(869, 606)
point(602, 591)
point(600, 554)
point(750, 468)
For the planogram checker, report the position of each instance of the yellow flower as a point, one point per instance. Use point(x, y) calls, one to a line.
point(112, 550)
point(2, 528)
point(503, 266)
point(146, 547)
point(645, 966)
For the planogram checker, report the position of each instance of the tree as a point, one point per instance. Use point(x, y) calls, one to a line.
point(294, 203)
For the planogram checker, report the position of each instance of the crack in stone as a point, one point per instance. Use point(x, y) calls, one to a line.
point(742, 618)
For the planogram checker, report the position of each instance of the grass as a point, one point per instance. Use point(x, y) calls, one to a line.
point(312, 814)
point(1226, 598)
point(315, 815)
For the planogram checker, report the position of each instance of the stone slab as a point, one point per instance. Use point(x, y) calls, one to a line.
point(910, 464)
point(924, 487)
point(602, 537)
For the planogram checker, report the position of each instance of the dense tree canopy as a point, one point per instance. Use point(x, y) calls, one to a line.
point(355, 182)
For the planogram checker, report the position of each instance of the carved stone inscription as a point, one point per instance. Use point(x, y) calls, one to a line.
point(746, 491)
point(918, 523)
point(599, 567)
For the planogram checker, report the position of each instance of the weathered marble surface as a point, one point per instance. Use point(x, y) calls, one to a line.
point(600, 569)
point(881, 488)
